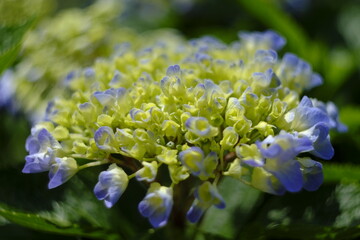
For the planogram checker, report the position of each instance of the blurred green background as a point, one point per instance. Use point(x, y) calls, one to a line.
point(326, 33)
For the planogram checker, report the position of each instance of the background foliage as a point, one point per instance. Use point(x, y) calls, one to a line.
point(325, 33)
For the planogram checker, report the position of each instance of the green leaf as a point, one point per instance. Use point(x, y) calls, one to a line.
point(312, 232)
point(16, 232)
point(72, 206)
point(332, 212)
point(240, 202)
point(79, 205)
point(10, 42)
point(338, 173)
point(47, 224)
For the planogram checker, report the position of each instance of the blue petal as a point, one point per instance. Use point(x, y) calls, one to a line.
point(157, 204)
point(307, 117)
point(70, 76)
point(217, 199)
point(7, 90)
point(323, 149)
point(261, 79)
point(266, 56)
point(191, 125)
point(100, 191)
point(106, 178)
point(159, 218)
point(104, 137)
point(221, 205)
point(85, 107)
point(292, 148)
point(45, 139)
point(205, 43)
point(105, 99)
point(266, 182)
point(272, 151)
point(194, 214)
point(191, 149)
point(111, 185)
point(114, 194)
point(313, 174)
point(137, 115)
point(145, 208)
point(110, 202)
point(32, 145)
point(306, 102)
point(321, 141)
point(32, 167)
point(173, 70)
point(290, 59)
point(116, 79)
point(197, 160)
point(201, 57)
point(316, 80)
point(89, 72)
point(274, 40)
point(341, 128)
point(61, 171)
point(39, 162)
point(277, 42)
point(304, 144)
point(56, 179)
point(333, 113)
point(313, 181)
point(119, 92)
point(289, 174)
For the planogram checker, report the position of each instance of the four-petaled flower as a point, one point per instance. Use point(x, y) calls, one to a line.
point(112, 183)
point(206, 195)
point(157, 204)
point(41, 146)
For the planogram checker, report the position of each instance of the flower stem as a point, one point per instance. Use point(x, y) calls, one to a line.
point(93, 164)
point(221, 159)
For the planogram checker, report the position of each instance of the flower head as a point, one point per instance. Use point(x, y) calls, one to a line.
point(199, 110)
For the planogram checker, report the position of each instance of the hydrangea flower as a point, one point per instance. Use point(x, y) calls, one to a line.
point(198, 164)
point(279, 154)
point(61, 171)
point(112, 183)
point(199, 109)
point(157, 205)
point(148, 172)
point(41, 146)
point(206, 195)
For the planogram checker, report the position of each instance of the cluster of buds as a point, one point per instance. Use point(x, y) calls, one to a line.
point(71, 39)
point(193, 111)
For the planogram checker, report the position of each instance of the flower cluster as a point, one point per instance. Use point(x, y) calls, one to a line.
point(198, 109)
point(72, 39)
